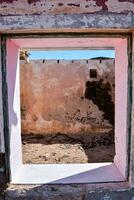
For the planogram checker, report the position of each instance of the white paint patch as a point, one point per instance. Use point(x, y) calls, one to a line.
point(67, 173)
point(118, 7)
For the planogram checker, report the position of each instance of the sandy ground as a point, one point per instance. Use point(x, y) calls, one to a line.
point(64, 149)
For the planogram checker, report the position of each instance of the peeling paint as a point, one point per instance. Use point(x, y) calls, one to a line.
point(74, 4)
point(32, 1)
point(7, 1)
point(102, 4)
point(50, 15)
point(64, 22)
point(120, 6)
point(55, 7)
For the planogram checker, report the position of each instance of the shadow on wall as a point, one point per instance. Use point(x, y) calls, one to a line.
point(99, 93)
point(54, 97)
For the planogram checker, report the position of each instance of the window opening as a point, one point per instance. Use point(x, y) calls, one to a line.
point(58, 126)
point(93, 172)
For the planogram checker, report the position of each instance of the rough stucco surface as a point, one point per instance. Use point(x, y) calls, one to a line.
point(67, 192)
point(40, 15)
point(54, 7)
point(42, 23)
point(57, 104)
point(100, 14)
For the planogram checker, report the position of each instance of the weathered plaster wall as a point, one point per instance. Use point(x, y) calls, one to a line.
point(54, 96)
point(54, 7)
point(42, 16)
point(109, 15)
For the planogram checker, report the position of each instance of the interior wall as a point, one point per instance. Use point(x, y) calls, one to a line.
point(55, 96)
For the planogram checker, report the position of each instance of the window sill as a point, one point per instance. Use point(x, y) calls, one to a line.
point(67, 173)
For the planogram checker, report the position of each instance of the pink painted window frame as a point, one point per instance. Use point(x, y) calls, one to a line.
point(121, 82)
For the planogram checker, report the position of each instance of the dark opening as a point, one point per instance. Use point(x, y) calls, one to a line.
point(93, 73)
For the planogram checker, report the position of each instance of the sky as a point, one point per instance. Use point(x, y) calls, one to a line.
point(70, 54)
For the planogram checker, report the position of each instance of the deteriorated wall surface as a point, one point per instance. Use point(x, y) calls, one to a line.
point(42, 16)
point(60, 96)
point(55, 7)
point(48, 16)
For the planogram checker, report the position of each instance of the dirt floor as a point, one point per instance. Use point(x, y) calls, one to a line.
point(61, 148)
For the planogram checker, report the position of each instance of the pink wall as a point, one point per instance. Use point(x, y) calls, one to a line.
point(121, 66)
point(121, 71)
point(14, 106)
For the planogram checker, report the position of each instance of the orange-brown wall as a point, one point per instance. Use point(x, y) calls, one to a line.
point(53, 95)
